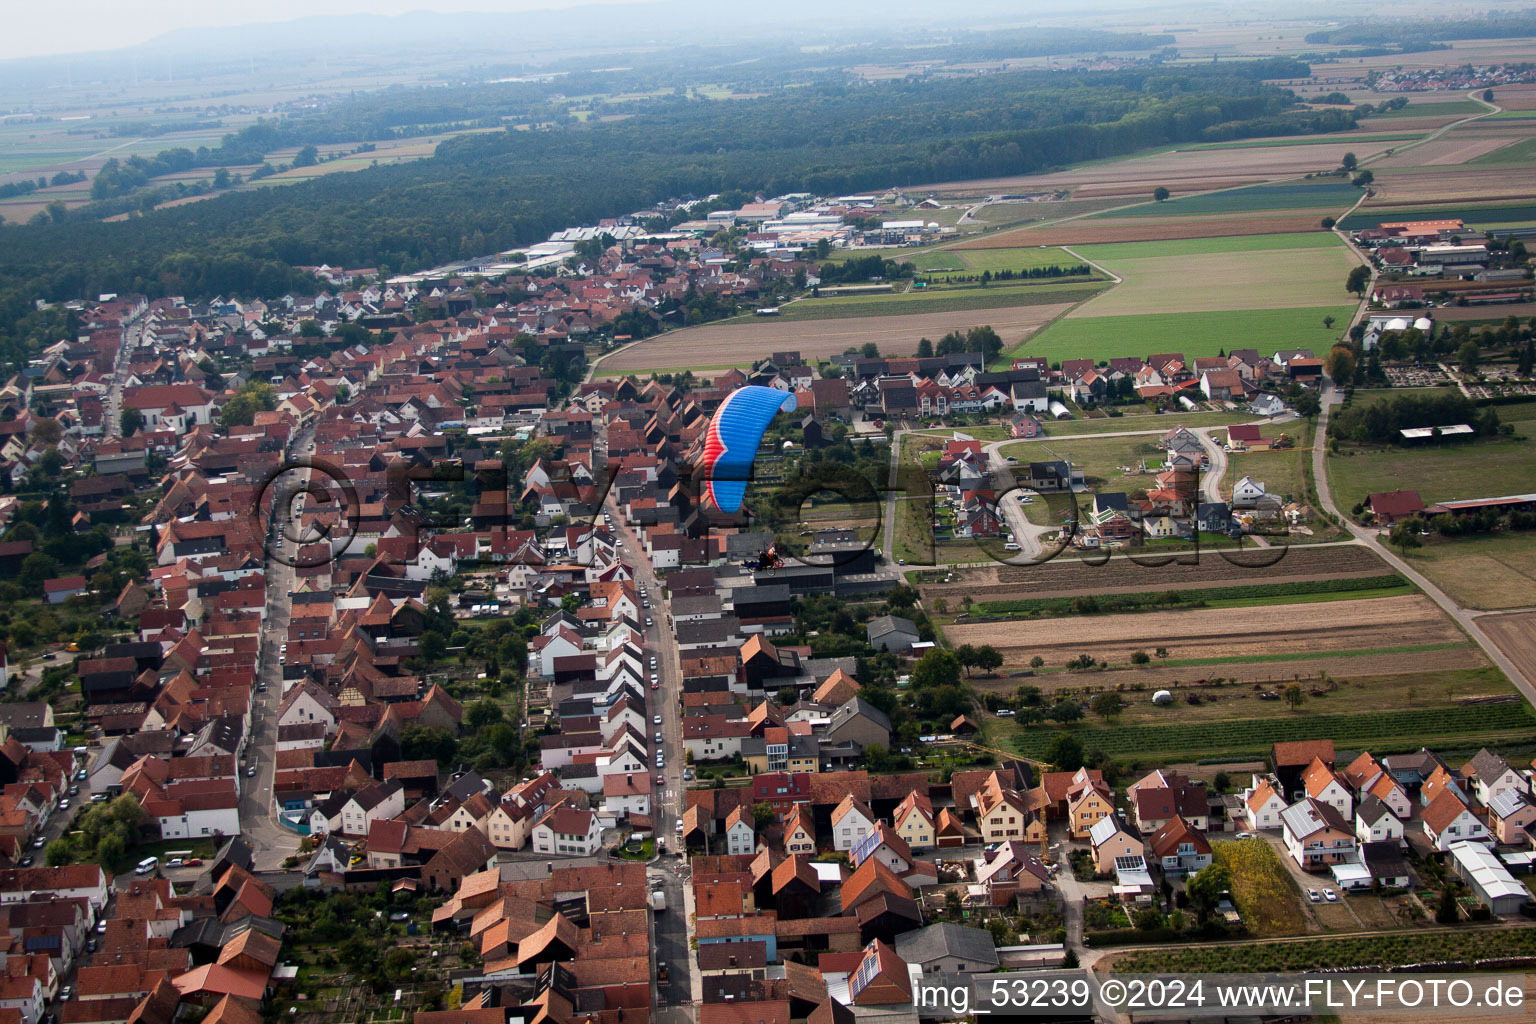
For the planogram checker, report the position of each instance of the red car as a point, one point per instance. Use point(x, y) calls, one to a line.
point(192, 862)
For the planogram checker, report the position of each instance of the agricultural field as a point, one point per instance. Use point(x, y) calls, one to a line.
point(974, 261)
point(741, 342)
point(1195, 334)
point(1335, 194)
point(1483, 468)
point(1070, 577)
point(938, 300)
point(1245, 280)
point(1474, 214)
point(1302, 592)
point(1258, 635)
point(1365, 712)
point(1489, 573)
point(1515, 635)
point(1318, 239)
point(1089, 231)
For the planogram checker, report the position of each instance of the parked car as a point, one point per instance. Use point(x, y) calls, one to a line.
point(64, 804)
point(250, 772)
point(1330, 896)
point(1314, 896)
point(38, 842)
point(26, 861)
point(74, 790)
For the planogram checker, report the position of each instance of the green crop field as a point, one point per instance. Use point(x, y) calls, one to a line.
point(1434, 109)
point(1194, 334)
point(1199, 246)
point(1250, 199)
point(1137, 417)
point(1302, 140)
point(1248, 738)
point(1388, 585)
point(1522, 152)
point(947, 300)
point(1485, 468)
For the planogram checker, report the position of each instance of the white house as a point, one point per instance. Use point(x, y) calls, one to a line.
point(1323, 783)
point(1247, 492)
point(1375, 822)
point(1490, 775)
point(739, 835)
point(626, 794)
point(380, 802)
point(210, 811)
point(307, 703)
point(1262, 804)
point(1316, 836)
point(568, 831)
point(1448, 821)
point(851, 822)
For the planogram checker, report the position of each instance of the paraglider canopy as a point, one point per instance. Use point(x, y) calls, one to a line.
point(732, 440)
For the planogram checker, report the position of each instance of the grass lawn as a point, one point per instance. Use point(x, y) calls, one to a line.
point(1484, 468)
point(1022, 258)
point(937, 301)
point(1194, 334)
point(1109, 463)
point(1487, 572)
point(1197, 246)
point(1282, 472)
point(1460, 107)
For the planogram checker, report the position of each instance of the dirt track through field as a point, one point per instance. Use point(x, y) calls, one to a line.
point(740, 344)
point(1235, 634)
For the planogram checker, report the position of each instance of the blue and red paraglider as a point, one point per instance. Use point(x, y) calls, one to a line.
point(732, 440)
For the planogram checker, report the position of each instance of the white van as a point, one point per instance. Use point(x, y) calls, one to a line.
point(147, 865)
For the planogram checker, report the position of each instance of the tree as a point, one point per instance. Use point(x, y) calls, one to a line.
point(1487, 95)
point(1223, 782)
point(1065, 711)
point(1206, 886)
point(924, 348)
point(1404, 536)
point(762, 815)
point(1340, 365)
point(37, 567)
point(570, 603)
point(965, 654)
point(1349, 162)
point(1140, 658)
point(988, 658)
point(1445, 911)
point(1363, 179)
point(482, 713)
point(1161, 652)
point(1037, 662)
point(1328, 223)
point(1294, 696)
point(869, 350)
point(788, 695)
point(1468, 357)
point(221, 178)
point(306, 157)
point(130, 422)
point(253, 397)
point(46, 432)
point(1160, 193)
point(1065, 752)
point(1358, 278)
point(1107, 705)
point(1327, 323)
point(936, 668)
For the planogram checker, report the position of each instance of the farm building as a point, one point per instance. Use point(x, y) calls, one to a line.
point(1390, 506)
point(1486, 876)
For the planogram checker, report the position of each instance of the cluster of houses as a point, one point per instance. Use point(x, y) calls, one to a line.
point(1356, 821)
point(140, 951)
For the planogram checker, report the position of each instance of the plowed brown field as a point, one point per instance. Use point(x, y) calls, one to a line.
point(1515, 635)
point(1235, 634)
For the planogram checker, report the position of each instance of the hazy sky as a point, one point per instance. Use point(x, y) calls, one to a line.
point(36, 30)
